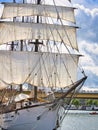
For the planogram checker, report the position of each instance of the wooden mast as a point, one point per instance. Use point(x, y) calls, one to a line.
point(21, 49)
point(21, 46)
point(12, 44)
point(36, 50)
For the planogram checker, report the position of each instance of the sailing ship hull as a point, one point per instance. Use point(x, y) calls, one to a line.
point(33, 118)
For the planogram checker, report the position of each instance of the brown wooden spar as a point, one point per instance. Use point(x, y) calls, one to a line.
point(36, 50)
point(74, 86)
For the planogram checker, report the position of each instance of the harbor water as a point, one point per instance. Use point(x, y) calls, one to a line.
point(80, 120)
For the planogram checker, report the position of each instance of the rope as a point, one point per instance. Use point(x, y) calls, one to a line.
point(62, 60)
point(68, 39)
point(59, 51)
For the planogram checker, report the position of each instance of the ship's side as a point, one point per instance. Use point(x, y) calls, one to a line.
point(35, 117)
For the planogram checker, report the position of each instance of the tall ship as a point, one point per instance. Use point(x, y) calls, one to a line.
point(38, 51)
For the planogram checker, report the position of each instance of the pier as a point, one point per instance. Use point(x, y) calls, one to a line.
point(81, 95)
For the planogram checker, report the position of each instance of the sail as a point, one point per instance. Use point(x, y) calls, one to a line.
point(37, 68)
point(17, 10)
point(11, 31)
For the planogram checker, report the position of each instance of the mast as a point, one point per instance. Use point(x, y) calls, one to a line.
point(21, 41)
point(37, 42)
point(36, 50)
point(21, 49)
point(41, 32)
point(12, 44)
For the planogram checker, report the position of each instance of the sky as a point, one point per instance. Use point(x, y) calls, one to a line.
point(87, 37)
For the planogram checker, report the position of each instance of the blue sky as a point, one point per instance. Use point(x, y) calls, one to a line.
point(87, 20)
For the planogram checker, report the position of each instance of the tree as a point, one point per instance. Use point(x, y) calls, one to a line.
point(76, 102)
point(89, 102)
point(95, 102)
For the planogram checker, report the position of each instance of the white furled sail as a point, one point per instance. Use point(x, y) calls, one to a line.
point(37, 68)
point(11, 31)
point(16, 10)
point(35, 35)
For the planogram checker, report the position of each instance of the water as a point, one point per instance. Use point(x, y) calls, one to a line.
point(80, 120)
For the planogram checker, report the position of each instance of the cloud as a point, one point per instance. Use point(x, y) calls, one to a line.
point(91, 12)
point(89, 62)
point(92, 80)
point(93, 69)
point(90, 47)
point(87, 3)
point(90, 52)
point(87, 20)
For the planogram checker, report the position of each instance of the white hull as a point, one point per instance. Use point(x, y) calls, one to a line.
point(34, 118)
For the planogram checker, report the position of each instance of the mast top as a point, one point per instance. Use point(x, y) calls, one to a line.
point(38, 1)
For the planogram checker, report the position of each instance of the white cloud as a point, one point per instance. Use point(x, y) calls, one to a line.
point(92, 12)
point(93, 69)
point(92, 48)
point(86, 18)
point(87, 60)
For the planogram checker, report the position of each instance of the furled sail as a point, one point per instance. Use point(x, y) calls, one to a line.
point(37, 68)
point(11, 31)
point(15, 9)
